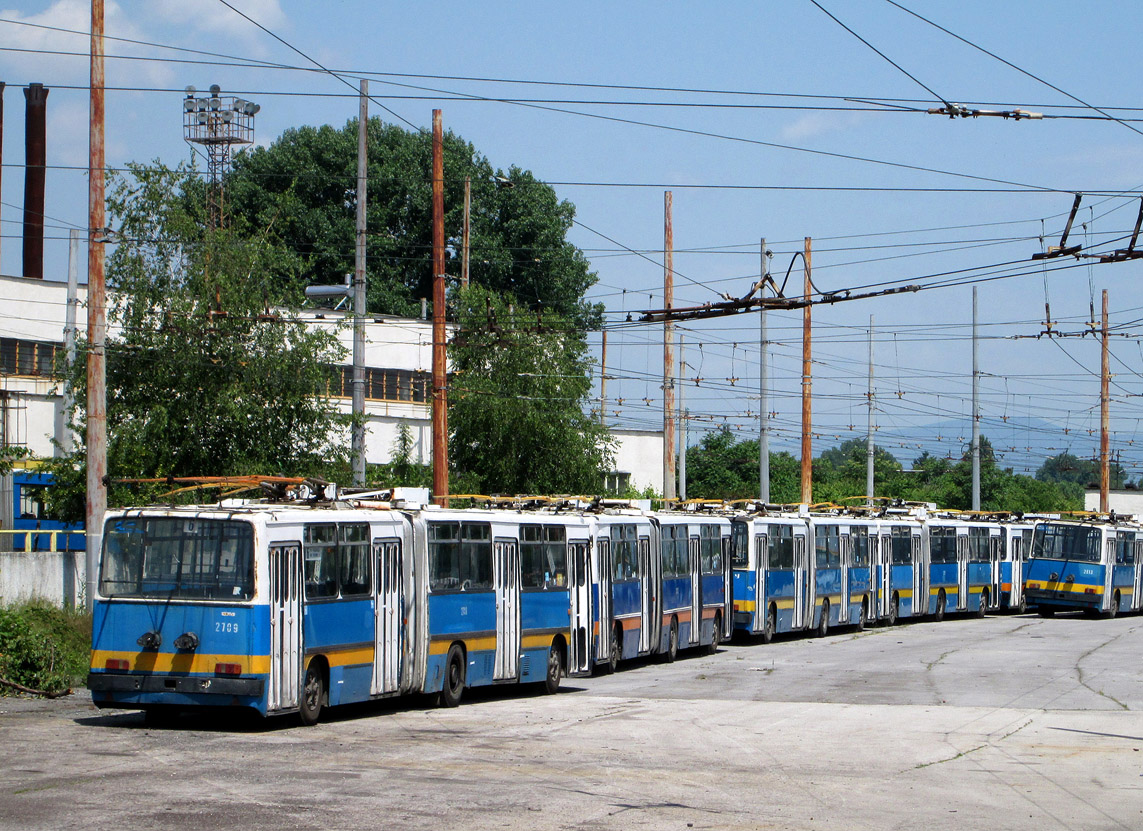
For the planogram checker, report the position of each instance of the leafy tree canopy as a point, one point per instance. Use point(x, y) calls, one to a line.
point(300, 192)
point(518, 398)
point(201, 378)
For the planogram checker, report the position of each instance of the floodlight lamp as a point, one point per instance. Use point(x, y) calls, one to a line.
point(251, 108)
point(191, 91)
point(215, 89)
point(201, 104)
point(238, 104)
point(227, 117)
point(201, 119)
point(215, 103)
point(189, 105)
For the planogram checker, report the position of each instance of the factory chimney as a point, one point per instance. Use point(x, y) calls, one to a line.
point(35, 159)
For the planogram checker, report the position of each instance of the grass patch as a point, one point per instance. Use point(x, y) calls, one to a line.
point(44, 647)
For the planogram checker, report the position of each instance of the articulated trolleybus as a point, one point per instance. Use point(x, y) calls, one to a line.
point(284, 608)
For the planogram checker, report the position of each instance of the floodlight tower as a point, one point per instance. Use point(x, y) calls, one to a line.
point(218, 123)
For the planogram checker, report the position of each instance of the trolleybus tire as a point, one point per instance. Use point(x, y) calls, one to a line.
point(941, 602)
point(894, 609)
point(861, 615)
point(771, 625)
point(673, 641)
point(1021, 607)
point(313, 695)
point(715, 635)
point(982, 606)
point(823, 620)
point(1114, 607)
point(616, 642)
point(555, 669)
point(453, 687)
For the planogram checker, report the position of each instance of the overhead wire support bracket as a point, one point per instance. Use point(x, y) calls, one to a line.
point(1130, 252)
point(961, 111)
point(1062, 250)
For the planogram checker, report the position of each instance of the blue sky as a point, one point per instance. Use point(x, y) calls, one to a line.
point(1038, 395)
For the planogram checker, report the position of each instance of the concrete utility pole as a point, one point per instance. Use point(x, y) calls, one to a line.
point(359, 289)
point(1104, 416)
point(668, 352)
point(869, 432)
point(807, 443)
point(763, 385)
point(682, 426)
point(440, 389)
point(96, 309)
point(603, 380)
point(975, 413)
point(64, 436)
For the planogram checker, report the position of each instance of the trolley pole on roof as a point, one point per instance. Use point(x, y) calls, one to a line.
point(96, 308)
point(668, 352)
point(359, 291)
point(1104, 416)
point(807, 443)
point(440, 390)
point(975, 413)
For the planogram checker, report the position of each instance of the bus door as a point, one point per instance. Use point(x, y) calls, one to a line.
point(962, 558)
point(1137, 593)
point(579, 582)
point(389, 617)
point(650, 570)
point(803, 592)
point(694, 565)
point(603, 646)
point(285, 626)
point(844, 551)
point(761, 561)
point(506, 572)
point(920, 575)
point(995, 541)
point(884, 552)
point(1108, 572)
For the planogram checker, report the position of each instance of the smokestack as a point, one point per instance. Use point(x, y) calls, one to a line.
point(35, 159)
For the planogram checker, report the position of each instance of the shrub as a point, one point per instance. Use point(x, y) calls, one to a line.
point(44, 647)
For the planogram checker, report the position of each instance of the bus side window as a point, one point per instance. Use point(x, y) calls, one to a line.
point(321, 561)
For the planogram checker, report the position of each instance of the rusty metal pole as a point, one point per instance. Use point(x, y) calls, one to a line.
point(668, 352)
point(96, 311)
point(807, 444)
point(1104, 416)
point(603, 381)
point(359, 454)
point(466, 232)
point(35, 149)
point(440, 391)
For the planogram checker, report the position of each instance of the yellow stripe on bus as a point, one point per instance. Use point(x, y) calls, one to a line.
point(441, 645)
point(165, 662)
point(1076, 588)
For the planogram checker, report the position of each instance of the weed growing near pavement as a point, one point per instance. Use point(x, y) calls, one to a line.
point(44, 647)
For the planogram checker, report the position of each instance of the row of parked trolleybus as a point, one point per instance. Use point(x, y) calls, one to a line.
point(289, 607)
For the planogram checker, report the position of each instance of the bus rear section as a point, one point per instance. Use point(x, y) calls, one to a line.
point(694, 582)
point(176, 619)
point(1072, 568)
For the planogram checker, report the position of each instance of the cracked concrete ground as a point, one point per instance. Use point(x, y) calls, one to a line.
point(1008, 722)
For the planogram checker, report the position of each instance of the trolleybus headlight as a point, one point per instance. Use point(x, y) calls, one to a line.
point(187, 641)
point(150, 640)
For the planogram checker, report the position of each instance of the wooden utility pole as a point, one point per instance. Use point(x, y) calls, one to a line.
point(96, 308)
point(440, 390)
point(1104, 416)
point(466, 232)
point(359, 289)
point(807, 444)
point(668, 352)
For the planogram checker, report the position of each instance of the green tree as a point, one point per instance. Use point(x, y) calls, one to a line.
point(301, 192)
point(203, 378)
point(517, 400)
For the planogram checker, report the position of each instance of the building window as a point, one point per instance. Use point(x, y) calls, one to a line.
point(35, 359)
point(382, 384)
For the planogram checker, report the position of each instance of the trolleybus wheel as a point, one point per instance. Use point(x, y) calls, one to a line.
point(613, 659)
point(861, 617)
point(982, 607)
point(940, 615)
point(1021, 607)
point(823, 621)
point(673, 641)
point(555, 669)
point(771, 625)
point(1114, 607)
point(453, 687)
point(894, 609)
point(715, 635)
point(313, 695)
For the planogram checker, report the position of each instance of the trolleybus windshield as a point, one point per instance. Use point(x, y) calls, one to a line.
point(1066, 542)
point(177, 558)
